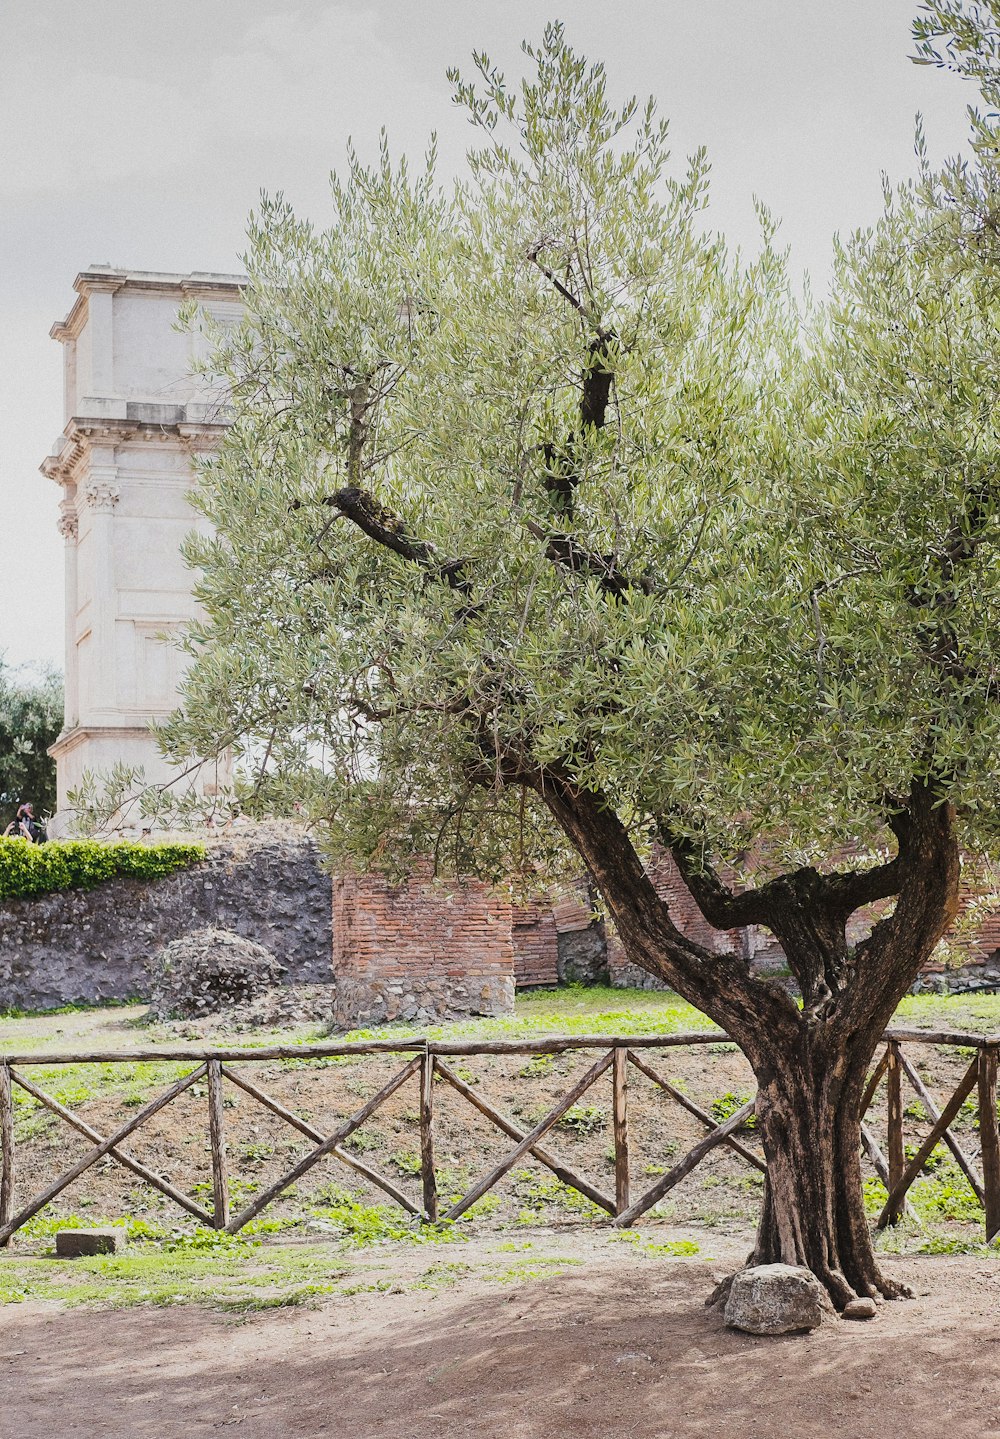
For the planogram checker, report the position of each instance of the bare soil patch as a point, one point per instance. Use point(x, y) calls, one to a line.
point(618, 1348)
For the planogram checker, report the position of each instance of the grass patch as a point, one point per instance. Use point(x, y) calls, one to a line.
point(669, 1249)
point(596, 1010)
point(532, 1269)
point(583, 1119)
point(728, 1104)
point(977, 1012)
point(221, 1278)
point(536, 1195)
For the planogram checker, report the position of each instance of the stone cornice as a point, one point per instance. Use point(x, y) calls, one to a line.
point(70, 739)
point(82, 433)
point(200, 285)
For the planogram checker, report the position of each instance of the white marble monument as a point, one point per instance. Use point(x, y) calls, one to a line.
point(135, 419)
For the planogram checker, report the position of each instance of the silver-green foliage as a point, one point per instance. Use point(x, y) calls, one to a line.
point(755, 603)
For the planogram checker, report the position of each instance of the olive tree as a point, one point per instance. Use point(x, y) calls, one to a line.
point(549, 530)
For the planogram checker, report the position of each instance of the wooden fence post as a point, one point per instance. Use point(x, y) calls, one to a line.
point(619, 1076)
point(220, 1174)
point(427, 1173)
point(894, 1204)
point(989, 1136)
point(7, 1146)
point(895, 1152)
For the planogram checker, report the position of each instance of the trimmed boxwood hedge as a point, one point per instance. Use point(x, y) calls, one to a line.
point(28, 870)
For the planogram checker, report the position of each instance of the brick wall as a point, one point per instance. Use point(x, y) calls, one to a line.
point(420, 951)
point(536, 944)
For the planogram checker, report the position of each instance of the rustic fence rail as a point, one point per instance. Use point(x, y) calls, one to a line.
point(426, 1061)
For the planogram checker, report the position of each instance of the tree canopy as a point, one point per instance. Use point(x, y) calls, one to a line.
point(31, 712)
point(549, 526)
point(535, 471)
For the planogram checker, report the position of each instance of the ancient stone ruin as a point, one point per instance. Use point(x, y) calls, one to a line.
point(207, 971)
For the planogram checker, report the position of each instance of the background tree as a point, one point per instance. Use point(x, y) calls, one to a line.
point(31, 714)
point(556, 530)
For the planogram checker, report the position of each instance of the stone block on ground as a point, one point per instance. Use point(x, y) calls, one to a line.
point(78, 1243)
point(860, 1309)
point(776, 1299)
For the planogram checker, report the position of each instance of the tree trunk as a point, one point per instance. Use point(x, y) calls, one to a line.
point(810, 1062)
point(813, 1213)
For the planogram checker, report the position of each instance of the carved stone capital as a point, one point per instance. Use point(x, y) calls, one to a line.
point(67, 523)
point(102, 494)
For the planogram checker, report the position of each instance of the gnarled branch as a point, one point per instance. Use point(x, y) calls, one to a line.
point(387, 529)
point(567, 552)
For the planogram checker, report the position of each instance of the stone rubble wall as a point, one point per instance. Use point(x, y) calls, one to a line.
point(88, 946)
point(558, 939)
point(421, 951)
point(582, 936)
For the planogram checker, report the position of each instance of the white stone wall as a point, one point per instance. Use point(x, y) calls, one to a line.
point(135, 421)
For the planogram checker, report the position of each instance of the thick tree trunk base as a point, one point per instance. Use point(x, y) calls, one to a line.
point(844, 1262)
point(813, 1212)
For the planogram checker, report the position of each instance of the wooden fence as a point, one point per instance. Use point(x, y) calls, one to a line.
point(423, 1062)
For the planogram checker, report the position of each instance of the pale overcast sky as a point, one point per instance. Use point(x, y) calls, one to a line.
point(139, 133)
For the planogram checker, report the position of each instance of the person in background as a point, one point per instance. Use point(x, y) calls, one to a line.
point(26, 826)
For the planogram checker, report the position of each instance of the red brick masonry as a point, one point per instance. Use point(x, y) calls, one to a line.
point(423, 951)
point(420, 951)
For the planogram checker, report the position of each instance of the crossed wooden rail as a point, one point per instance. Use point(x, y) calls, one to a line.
point(428, 1062)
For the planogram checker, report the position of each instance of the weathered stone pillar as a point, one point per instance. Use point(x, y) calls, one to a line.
point(69, 527)
point(101, 494)
point(96, 377)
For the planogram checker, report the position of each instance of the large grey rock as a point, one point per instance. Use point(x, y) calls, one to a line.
point(583, 956)
point(776, 1299)
point(207, 971)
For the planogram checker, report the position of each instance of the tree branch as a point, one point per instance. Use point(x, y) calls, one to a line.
point(722, 907)
point(567, 552)
point(387, 529)
point(959, 545)
point(841, 891)
point(561, 472)
point(902, 942)
point(720, 983)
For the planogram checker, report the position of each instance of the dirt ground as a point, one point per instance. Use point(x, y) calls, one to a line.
point(618, 1348)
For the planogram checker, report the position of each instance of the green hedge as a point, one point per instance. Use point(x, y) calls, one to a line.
point(27, 869)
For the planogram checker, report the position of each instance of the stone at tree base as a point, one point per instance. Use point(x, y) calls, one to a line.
point(860, 1309)
point(776, 1299)
point(77, 1243)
